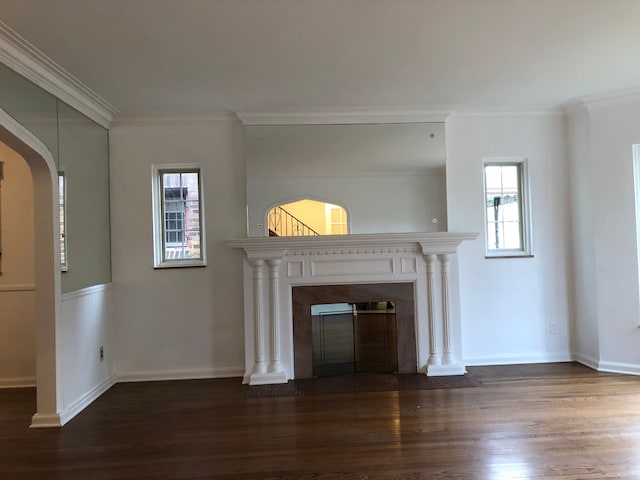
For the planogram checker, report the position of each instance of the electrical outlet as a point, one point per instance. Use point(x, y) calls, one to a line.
point(101, 353)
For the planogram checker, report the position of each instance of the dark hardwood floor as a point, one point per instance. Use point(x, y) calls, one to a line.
point(521, 422)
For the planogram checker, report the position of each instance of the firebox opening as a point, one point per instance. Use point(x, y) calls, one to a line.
point(352, 338)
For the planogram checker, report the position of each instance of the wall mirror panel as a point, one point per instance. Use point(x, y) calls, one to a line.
point(84, 159)
point(30, 105)
point(389, 177)
point(80, 148)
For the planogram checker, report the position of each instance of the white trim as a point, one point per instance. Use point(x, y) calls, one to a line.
point(616, 367)
point(517, 360)
point(83, 292)
point(174, 122)
point(191, 374)
point(276, 247)
point(27, 287)
point(496, 111)
point(88, 398)
point(586, 361)
point(18, 382)
point(525, 208)
point(333, 116)
point(609, 99)
point(22, 57)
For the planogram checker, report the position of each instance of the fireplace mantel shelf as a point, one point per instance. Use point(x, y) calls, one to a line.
point(278, 247)
point(275, 265)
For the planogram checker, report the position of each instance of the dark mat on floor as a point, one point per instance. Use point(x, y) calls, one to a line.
point(359, 383)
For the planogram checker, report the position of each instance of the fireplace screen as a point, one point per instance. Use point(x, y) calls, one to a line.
point(350, 338)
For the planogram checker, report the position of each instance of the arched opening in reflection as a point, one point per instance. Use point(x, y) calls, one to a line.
point(307, 217)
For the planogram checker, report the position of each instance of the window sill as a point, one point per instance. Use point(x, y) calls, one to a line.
point(178, 264)
point(526, 255)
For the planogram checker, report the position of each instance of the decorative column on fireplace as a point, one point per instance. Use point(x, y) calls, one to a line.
point(425, 261)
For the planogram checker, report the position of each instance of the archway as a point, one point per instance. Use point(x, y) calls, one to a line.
point(306, 217)
point(47, 265)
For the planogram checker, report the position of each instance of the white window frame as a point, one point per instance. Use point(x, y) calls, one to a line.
point(526, 248)
point(158, 217)
point(64, 263)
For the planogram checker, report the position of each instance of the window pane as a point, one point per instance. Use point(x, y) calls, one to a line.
point(511, 235)
point(510, 208)
point(493, 179)
point(509, 179)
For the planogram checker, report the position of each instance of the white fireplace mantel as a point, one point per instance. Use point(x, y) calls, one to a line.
point(274, 265)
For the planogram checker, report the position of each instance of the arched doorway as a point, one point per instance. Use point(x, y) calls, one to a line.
point(307, 217)
point(47, 265)
point(17, 283)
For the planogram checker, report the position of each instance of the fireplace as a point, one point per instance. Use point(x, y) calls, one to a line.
point(352, 338)
point(400, 294)
point(284, 276)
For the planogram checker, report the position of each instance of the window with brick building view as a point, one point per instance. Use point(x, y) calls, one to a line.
point(178, 220)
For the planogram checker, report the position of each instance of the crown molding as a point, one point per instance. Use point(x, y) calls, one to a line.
point(334, 116)
point(619, 97)
point(25, 59)
point(505, 111)
point(174, 122)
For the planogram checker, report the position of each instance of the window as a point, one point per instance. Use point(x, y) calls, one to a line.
point(506, 208)
point(177, 220)
point(62, 211)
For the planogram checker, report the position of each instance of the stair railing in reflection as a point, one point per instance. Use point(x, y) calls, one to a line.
point(284, 224)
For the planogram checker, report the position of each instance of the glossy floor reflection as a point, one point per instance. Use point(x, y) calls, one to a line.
point(521, 422)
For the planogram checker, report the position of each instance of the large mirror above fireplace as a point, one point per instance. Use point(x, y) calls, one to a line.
point(388, 177)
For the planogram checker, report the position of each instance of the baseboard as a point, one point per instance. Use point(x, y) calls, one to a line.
point(18, 382)
point(84, 401)
point(508, 360)
point(615, 367)
point(586, 361)
point(47, 420)
point(192, 374)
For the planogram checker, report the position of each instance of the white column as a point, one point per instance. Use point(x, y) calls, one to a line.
point(435, 358)
point(448, 357)
point(260, 364)
point(275, 365)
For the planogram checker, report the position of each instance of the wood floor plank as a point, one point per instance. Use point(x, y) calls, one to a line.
point(548, 421)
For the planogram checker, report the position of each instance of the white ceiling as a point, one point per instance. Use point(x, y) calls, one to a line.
point(200, 57)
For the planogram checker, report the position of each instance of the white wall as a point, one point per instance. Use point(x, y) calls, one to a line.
point(509, 306)
point(395, 202)
point(17, 282)
point(179, 322)
point(585, 342)
point(612, 131)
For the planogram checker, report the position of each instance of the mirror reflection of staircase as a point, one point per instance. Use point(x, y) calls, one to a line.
point(354, 338)
point(283, 224)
